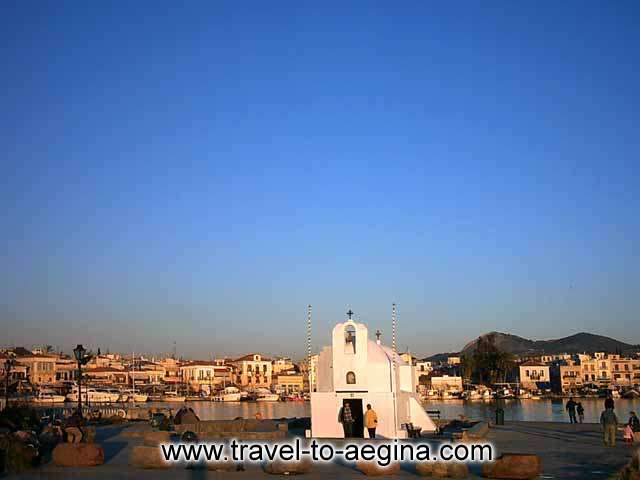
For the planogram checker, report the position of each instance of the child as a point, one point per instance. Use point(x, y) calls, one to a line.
point(628, 435)
point(580, 410)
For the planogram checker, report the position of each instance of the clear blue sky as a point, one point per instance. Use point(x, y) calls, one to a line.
point(199, 174)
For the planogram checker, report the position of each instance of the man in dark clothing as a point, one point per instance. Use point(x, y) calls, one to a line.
point(608, 402)
point(346, 418)
point(571, 408)
point(634, 422)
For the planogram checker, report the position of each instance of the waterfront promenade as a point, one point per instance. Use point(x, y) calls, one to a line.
point(567, 451)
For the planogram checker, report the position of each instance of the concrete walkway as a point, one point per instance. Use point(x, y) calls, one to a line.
point(567, 451)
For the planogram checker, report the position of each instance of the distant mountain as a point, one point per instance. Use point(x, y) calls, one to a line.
point(578, 343)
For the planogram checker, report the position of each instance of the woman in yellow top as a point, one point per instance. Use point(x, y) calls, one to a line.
point(371, 421)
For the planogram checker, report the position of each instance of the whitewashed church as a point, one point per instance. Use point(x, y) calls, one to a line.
point(358, 371)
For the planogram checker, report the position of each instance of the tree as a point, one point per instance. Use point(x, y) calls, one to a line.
point(487, 364)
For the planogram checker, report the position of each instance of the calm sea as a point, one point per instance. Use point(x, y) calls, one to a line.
point(523, 410)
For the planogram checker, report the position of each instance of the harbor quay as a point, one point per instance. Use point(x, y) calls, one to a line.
point(566, 451)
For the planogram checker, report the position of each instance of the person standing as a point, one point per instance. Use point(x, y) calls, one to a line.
point(346, 418)
point(571, 408)
point(371, 421)
point(608, 402)
point(580, 410)
point(634, 424)
point(609, 423)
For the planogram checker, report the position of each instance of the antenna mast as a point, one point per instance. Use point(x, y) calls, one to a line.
point(309, 345)
point(394, 315)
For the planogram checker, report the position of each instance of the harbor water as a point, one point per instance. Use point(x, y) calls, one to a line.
point(544, 410)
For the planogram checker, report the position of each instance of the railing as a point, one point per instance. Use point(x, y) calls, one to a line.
point(60, 412)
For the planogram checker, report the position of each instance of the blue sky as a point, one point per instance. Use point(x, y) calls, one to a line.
point(200, 173)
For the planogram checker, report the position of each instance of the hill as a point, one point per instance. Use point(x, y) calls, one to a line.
point(578, 343)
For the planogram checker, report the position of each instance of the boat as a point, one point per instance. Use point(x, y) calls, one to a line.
point(94, 395)
point(48, 396)
point(631, 394)
point(228, 394)
point(264, 395)
point(133, 396)
point(471, 395)
point(173, 397)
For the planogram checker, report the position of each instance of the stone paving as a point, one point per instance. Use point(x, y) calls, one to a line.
point(567, 451)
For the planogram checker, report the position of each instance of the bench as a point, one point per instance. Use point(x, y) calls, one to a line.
point(413, 432)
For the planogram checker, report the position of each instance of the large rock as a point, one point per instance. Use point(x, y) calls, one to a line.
point(153, 439)
point(432, 469)
point(280, 467)
point(513, 466)
point(78, 455)
point(222, 466)
point(144, 456)
point(457, 470)
point(373, 469)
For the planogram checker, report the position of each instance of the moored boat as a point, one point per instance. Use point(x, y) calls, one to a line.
point(46, 396)
point(229, 394)
point(264, 395)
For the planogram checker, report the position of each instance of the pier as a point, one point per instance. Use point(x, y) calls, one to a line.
point(567, 452)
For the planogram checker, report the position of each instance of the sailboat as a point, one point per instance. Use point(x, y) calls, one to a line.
point(131, 395)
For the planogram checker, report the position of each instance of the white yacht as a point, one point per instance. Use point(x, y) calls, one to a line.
point(48, 396)
point(133, 396)
point(94, 395)
point(264, 395)
point(173, 397)
point(229, 394)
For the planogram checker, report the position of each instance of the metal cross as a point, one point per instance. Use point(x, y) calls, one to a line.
point(378, 333)
point(349, 313)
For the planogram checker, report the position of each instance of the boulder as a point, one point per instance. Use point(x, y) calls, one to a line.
point(16, 456)
point(457, 470)
point(78, 455)
point(432, 469)
point(513, 466)
point(153, 439)
point(280, 467)
point(373, 469)
point(144, 456)
point(222, 466)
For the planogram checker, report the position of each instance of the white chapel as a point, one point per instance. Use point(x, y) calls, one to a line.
point(360, 371)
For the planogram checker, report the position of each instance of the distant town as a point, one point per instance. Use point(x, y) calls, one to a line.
point(483, 373)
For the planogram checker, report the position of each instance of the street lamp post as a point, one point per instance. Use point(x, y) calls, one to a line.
point(79, 354)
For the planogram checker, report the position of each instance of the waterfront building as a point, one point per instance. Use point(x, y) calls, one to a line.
point(204, 377)
point(66, 369)
point(171, 368)
point(106, 375)
point(566, 376)
point(453, 361)
point(445, 383)
point(533, 375)
point(289, 382)
point(40, 369)
point(253, 370)
point(282, 364)
point(358, 371)
point(109, 360)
